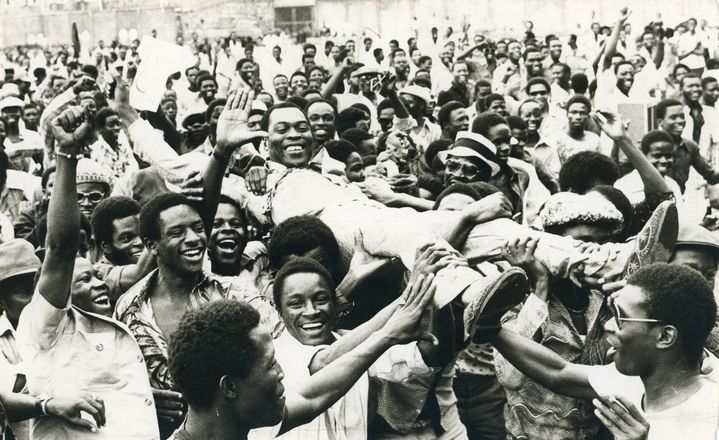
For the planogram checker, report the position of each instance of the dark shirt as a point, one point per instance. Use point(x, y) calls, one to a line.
point(686, 155)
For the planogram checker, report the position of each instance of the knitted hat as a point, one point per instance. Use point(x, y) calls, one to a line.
point(89, 171)
point(565, 208)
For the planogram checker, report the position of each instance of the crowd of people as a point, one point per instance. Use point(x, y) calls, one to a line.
point(456, 236)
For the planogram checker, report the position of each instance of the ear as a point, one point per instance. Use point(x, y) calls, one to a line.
point(228, 387)
point(668, 337)
point(151, 245)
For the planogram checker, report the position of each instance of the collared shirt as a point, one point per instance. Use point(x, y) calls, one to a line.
point(532, 411)
point(69, 351)
point(120, 161)
point(686, 156)
point(134, 309)
point(11, 200)
point(11, 372)
point(421, 135)
point(548, 155)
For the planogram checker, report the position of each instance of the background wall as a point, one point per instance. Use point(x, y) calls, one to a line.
point(390, 18)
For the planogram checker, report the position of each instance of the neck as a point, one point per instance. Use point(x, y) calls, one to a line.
point(685, 381)
point(176, 285)
point(532, 138)
point(206, 424)
point(13, 129)
point(576, 132)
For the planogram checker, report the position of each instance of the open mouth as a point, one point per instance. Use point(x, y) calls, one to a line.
point(192, 254)
point(294, 149)
point(102, 300)
point(313, 327)
point(227, 245)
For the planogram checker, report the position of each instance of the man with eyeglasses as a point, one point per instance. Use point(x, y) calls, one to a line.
point(654, 388)
point(93, 185)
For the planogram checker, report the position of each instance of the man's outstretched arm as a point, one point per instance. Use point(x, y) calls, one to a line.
point(63, 215)
point(327, 386)
point(544, 366)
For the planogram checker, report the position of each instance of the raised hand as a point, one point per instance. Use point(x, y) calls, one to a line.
point(232, 129)
point(431, 258)
point(404, 325)
point(621, 418)
point(70, 408)
point(624, 14)
point(69, 128)
point(611, 124)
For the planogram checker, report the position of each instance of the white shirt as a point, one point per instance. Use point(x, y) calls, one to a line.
point(696, 418)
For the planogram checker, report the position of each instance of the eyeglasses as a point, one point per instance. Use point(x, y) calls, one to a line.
point(539, 93)
point(93, 197)
point(468, 170)
point(617, 316)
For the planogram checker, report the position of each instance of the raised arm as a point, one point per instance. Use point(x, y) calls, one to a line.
point(232, 131)
point(63, 215)
point(331, 87)
point(430, 260)
point(611, 46)
point(613, 126)
point(328, 385)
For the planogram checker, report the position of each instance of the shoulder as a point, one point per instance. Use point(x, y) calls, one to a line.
point(133, 294)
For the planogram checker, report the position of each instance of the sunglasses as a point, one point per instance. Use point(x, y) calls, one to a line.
point(93, 197)
point(468, 170)
point(619, 318)
point(539, 93)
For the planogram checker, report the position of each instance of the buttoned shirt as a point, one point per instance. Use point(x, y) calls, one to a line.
point(422, 135)
point(69, 351)
point(134, 309)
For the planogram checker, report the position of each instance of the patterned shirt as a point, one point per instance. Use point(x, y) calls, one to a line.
point(134, 309)
point(532, 411)
point(120, 161)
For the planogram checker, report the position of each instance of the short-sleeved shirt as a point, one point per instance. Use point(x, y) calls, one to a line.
point(135, 310)
point(696, 418)
point(69, 351)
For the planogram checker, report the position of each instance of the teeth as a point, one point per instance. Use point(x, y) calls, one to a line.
point(312, 326)
point(102, 300)
point(294, 148)
point(227, 244)
point(192, 253)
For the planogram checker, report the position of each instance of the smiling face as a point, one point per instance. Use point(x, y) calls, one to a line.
point(674, 120)
point(625, 78)
point(281, 86)
point(111, 130)
point(322, 121)
point(458, 121)
point(227, 241)
point(711, 93)
point(531, 114)
point(89, 292)
point(126, 246)
point(307, 307)
point(661, 155)
point(182, 241)
point(290, 137)
point(692, 89)
point(460, 73)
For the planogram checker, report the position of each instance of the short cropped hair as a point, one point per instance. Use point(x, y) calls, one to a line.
point(446, 110)
point(150, 213)
point(680, 296)
point(655, 136)
point(299, 265)
point(581, 99)
point(210, 342)
point(484, 121)
point(660, 110)
point(584, 170)
point(109, 210)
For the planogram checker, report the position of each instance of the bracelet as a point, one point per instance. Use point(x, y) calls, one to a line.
point(43, 404)
point(69, 156)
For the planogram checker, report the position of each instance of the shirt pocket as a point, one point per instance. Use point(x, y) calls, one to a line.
point(92, 362)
